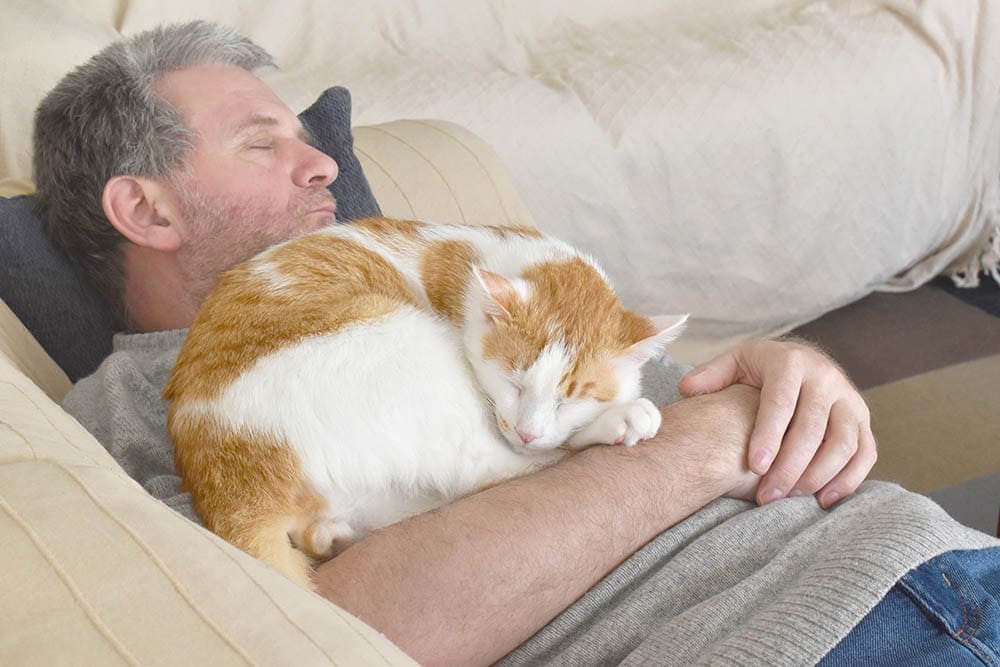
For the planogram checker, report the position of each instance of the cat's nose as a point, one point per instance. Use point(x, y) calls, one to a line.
point(527, 438)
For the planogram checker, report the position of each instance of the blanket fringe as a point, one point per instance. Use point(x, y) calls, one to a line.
point(986, 260)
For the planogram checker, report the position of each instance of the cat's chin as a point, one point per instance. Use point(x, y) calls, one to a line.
point(532, 449)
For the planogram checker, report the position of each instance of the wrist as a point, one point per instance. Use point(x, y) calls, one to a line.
point(704, 440)
point(659, 481)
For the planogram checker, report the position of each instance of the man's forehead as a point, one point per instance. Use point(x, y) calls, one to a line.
point(222, 96)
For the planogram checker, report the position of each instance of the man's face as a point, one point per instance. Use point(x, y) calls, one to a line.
point(251, 179)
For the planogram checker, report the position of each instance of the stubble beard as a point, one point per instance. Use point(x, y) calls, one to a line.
point(211, 251)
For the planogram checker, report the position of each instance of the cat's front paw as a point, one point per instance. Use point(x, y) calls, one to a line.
point(326, 537)
point(622, 424)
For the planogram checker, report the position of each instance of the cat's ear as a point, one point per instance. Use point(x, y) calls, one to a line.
point(668, 329)
point(499, 293)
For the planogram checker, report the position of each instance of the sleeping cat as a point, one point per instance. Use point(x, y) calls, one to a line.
point(364, 373)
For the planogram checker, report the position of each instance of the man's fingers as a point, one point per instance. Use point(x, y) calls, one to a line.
point(778, 401)
point(839, 446)
point(849, 479)
point(711, 376)
point(803, 438)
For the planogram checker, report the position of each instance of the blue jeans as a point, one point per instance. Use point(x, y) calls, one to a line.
point(944, 612)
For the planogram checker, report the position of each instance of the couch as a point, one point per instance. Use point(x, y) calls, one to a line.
point(705, 155)
point(756, 164)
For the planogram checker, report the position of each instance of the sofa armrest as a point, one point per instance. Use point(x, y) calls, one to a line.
point(437, 171)
point(96, 571)
point(24, 352)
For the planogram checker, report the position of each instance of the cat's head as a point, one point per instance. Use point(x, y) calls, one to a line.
point(555, 347)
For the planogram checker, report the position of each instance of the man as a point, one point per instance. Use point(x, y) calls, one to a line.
point(197, 165)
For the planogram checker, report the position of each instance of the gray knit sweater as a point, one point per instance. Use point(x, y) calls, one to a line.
point(732, 584)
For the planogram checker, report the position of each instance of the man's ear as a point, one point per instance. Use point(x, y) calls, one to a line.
point(139, 208)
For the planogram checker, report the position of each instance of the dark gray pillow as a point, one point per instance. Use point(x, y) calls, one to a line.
point(48, 294)
point(65, 313)
point(329, 122)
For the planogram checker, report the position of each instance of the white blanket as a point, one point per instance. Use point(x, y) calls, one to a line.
point(755, 164)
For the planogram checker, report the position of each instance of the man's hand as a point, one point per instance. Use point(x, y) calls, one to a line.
point(813, 431)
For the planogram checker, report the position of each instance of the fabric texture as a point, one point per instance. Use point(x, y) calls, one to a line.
point(740, 585)
point(986, 297)
point(944, 612)
point(46, 291)
point(427, 169)
point(708, 589)
point(755, 165)
point(122, 407)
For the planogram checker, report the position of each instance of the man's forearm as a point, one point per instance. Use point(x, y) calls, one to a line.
point(467, 583)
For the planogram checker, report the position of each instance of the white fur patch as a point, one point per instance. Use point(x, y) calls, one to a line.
point(270, 275)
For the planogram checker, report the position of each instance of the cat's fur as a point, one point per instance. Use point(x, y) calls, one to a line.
point(350, 378)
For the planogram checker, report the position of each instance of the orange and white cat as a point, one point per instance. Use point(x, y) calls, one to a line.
point(364, 373)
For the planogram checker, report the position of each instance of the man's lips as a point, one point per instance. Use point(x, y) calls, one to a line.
point(328, 209)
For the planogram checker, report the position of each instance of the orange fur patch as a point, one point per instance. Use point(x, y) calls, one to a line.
point(400, 235)
point(445, 271)
point(248, 489)
point(506, 231)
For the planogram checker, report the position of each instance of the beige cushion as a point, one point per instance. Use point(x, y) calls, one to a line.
point(437, 171)
point(20, 347)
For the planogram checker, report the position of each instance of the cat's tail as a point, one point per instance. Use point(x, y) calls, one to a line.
point(247, 487)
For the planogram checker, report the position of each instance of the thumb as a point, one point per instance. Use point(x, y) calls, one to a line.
point(712, 376)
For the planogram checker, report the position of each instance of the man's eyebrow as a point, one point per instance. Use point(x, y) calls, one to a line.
point(257, 120)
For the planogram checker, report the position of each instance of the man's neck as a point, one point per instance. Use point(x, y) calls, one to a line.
point(156, 296)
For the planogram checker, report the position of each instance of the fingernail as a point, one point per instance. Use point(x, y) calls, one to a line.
point(830, 497)
point(795, 493)
point(772, 495)
point(762, 460)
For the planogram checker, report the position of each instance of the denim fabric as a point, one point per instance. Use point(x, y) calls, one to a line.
point(944, 612)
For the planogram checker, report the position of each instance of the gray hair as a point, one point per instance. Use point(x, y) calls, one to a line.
point(104, 119)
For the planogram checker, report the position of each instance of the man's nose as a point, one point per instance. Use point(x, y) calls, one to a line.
point(315, 169)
